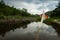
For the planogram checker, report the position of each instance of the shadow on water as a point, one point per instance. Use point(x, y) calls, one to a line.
point(7, 26)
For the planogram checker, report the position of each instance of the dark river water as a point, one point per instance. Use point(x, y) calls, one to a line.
point(29, 33)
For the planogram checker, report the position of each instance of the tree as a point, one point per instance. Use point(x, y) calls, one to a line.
point(2, 2)
point(55, 12)
point(58, 5)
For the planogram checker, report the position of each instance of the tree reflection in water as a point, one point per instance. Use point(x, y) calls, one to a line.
point(29, 33)
point(6, 26)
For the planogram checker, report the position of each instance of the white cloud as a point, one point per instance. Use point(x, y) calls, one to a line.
point(31, 7)
point(35, 6)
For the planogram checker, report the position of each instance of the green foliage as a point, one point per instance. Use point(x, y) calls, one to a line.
point(7, 12)
point(55, 13)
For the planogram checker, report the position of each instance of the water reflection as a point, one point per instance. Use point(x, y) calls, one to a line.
point(6, 27)
point(29, 33)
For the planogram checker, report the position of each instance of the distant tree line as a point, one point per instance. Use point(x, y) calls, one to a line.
point(55, 12)
point(7, 10)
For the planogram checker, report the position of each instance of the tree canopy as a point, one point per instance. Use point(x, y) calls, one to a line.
point(7, 10)
point(55, 12)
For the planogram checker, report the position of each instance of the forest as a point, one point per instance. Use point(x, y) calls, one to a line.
point(7, 12)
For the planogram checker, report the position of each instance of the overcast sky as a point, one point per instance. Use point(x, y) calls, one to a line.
point(33, 6)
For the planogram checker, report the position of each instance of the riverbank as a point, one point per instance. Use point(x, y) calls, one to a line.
point(8, 24)
point(11, 24)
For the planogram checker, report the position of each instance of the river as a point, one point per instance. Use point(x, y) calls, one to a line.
point(47, 32)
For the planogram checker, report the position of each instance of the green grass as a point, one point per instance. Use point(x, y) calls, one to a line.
point(52, 19)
